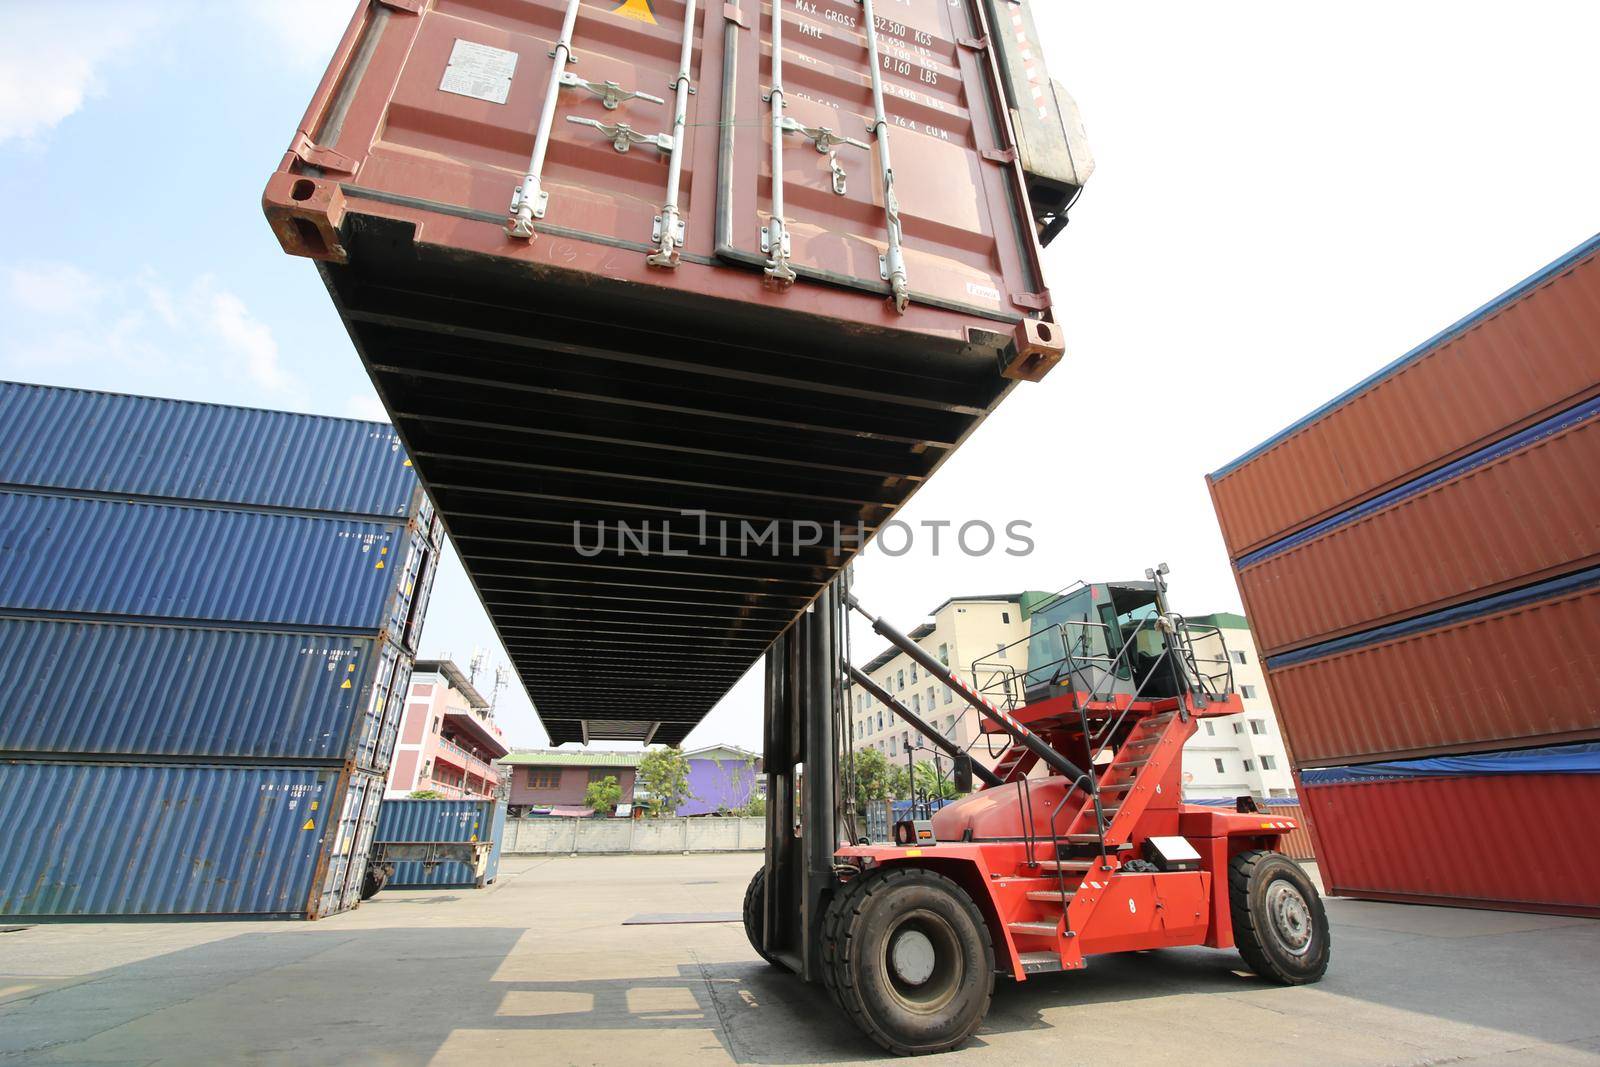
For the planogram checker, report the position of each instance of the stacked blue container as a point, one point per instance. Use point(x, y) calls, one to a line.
point(210, 613)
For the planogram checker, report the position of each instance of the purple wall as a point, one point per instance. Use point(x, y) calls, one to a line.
point(713, 786)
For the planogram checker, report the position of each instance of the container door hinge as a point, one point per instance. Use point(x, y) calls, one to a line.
point(1000, 155)
point(326, 158)
point(731, 13)
point(974, 44)
point(413, 6)
point(1032, 301)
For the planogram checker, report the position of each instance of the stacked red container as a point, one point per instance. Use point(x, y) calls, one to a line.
point(1420, 560)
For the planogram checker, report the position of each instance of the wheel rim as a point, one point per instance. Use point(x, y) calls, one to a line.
point(922, 961)
point(1289, 918)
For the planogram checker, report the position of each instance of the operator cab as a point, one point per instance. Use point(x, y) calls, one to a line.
point(1102, 639)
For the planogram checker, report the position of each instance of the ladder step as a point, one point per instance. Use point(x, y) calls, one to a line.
point(1066, 865)
point(1122, 787)
point(1084, 839)
point(1158, 720)
point(1039, 962)
point(1134, 762)
point(1035, 929)
point(1050, 896)
point(1143, 742)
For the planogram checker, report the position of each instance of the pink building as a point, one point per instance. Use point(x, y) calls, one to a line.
point(553, 782)
point(448, 741)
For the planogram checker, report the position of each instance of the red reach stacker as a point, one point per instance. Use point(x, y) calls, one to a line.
point(1093, 853)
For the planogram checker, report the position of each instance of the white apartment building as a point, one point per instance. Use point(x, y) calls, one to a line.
point(1238, 754)
point(1227, 757)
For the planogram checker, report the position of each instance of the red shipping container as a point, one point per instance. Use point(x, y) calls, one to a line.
point(1531, 352)
point(655, 330)
point(1518, 667)
point(1454, 841)
point(1520, 511)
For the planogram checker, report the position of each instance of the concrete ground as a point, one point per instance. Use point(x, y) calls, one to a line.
point(539, 969)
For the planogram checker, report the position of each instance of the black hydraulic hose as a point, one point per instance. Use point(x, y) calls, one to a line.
point(910, 718)
point(1020, 733)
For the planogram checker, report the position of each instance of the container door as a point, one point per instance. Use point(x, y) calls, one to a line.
point(385, 703)
point(347, 860)
point(952, 177)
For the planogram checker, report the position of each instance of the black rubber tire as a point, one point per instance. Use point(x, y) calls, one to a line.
point(755, 902)
point(832, 918)
point(1271, 954)
point(955, 1001)
point(374, 880)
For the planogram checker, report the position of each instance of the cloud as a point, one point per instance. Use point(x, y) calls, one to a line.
point(366, 405)
point(61, 317)
point(305, 31)
point(52, 288)
point(248, 338)
point(51, 56)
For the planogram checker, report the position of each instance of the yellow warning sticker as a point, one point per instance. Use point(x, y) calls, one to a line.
point(913, 852)
point(635, 9)
point(313, 805)
point(350, 669)
point(311, 824)
point(346, 684)
point(379, 566)
point(408, 463)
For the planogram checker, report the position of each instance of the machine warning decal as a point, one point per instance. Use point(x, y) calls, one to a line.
point(479, 71)
point(635, 9)
point(311, 824)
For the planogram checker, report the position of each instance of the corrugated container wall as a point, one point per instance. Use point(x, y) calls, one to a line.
point(121, 559)
point(1519, 511)
point(115, 688)
point(1526, 355)
point(211, 614)
point(1447, 608)
point(1427, 840)
point(180, 450)
point(1516, 668)
point(85, 840)
point(404, 819)
point(656, 325)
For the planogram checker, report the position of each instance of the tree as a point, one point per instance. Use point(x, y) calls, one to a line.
point(602, 797)
point(664, 774)
point(754, 808)
point(425, 794)
point(871, 776)
point(929, 782)
point(899, 783)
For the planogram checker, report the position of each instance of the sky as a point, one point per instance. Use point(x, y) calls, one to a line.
point(1286, 197)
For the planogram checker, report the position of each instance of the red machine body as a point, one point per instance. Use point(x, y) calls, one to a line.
point(1047, 912)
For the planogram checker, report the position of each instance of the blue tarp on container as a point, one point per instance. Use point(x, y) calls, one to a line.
point(1555, 759)
point(404, 819)
point(128, 689)
point(80, 840)
point(180, 450)
point(104, 557)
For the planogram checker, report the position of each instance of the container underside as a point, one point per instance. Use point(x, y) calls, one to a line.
point(538, 405)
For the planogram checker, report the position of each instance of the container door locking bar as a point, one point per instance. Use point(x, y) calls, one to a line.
point(530, 200)
point(775, 238)
point(669, 227)
point(893, 266)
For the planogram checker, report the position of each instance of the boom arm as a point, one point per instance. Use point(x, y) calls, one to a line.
point(942, 743)
point(1019, 733)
